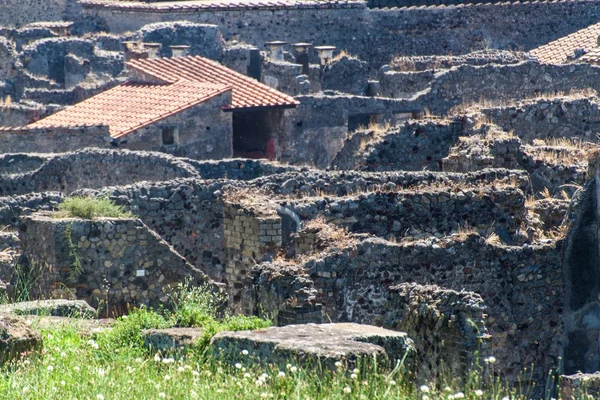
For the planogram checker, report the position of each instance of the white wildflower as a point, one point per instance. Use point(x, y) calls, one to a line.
point(459, 395)
point(294, 369)
point(100, 397)
point(281, 374)
point(50, 368)
point(424, 389)
point(347, 390)
point(478, 393)
point(238, 365)
point(245, 352)
point(353, 376)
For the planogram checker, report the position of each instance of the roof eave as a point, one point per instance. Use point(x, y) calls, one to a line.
point(257, 108)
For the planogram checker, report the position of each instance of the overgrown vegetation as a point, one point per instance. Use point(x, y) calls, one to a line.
point(89, 207)
point(114, 364)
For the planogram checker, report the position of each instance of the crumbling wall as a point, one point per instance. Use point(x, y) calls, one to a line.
point(354, 285)
point(315, 130)
point(96, 168)
point(437, 211)
point(467, 85)
point(21, 12)
point(447, 326)
point(413, 146)
point(117, 261)
point(576, 117)
point(251, 233)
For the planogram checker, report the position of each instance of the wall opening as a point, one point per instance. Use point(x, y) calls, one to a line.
point(170, 135)
point(256, 133)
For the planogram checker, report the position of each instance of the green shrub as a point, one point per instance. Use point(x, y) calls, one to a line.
point(90, 207)
point(126, 331)
point(194, 306)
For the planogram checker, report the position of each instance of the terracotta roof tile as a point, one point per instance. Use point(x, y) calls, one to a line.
point(562, 50)
point(246, 92)
point(132, 106)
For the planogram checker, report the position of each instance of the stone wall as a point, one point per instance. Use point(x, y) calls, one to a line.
point(17, 12)
point(96, 168)
point(116, 261)
point(13, 207)
point(437, 62)
point(353, 284)
point(434, 211)
point(252, 232)
point(467, 85)
point(448, 327)
point(316, 129)
point(576, 117)
point(413, 146)
point(450, 29)
point(52, 140)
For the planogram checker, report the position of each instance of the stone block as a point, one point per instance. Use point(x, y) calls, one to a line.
point(578, 385)
point(310, 344)
point(17, 338)
point(55, 308)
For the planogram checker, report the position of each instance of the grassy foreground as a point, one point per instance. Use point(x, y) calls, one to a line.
point(115, 365)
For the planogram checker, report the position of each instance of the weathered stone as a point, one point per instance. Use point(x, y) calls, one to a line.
point(57, 308)
point(578, 385)
point(16, 338)
point(309, 343)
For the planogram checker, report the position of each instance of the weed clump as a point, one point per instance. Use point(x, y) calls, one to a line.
point(89, 207)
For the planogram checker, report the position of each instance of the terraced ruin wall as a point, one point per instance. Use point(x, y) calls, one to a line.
point(468, 85)
point(575, 117)
point(354, 285)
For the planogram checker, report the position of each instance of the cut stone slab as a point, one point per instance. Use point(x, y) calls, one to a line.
point(577, 385)
point(172, 339)
point(312, 343)
point(55, 308)
point(16, 338)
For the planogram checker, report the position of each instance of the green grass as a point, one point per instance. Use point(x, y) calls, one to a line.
point(114, 364)
point(89, 208)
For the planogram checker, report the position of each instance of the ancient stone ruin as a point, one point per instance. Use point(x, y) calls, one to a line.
point(421, 174)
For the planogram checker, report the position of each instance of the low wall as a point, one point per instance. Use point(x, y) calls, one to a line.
point(116, 261)
point(413, 146)
point(576, 117)
point(52, 140)
point(96, 168)
point(437, 212)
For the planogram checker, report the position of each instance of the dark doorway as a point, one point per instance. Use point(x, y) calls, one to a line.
point(255, 133)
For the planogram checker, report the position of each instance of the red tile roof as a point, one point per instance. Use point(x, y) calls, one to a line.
point(562, 50)
point(132, 106)
point(247, 92)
